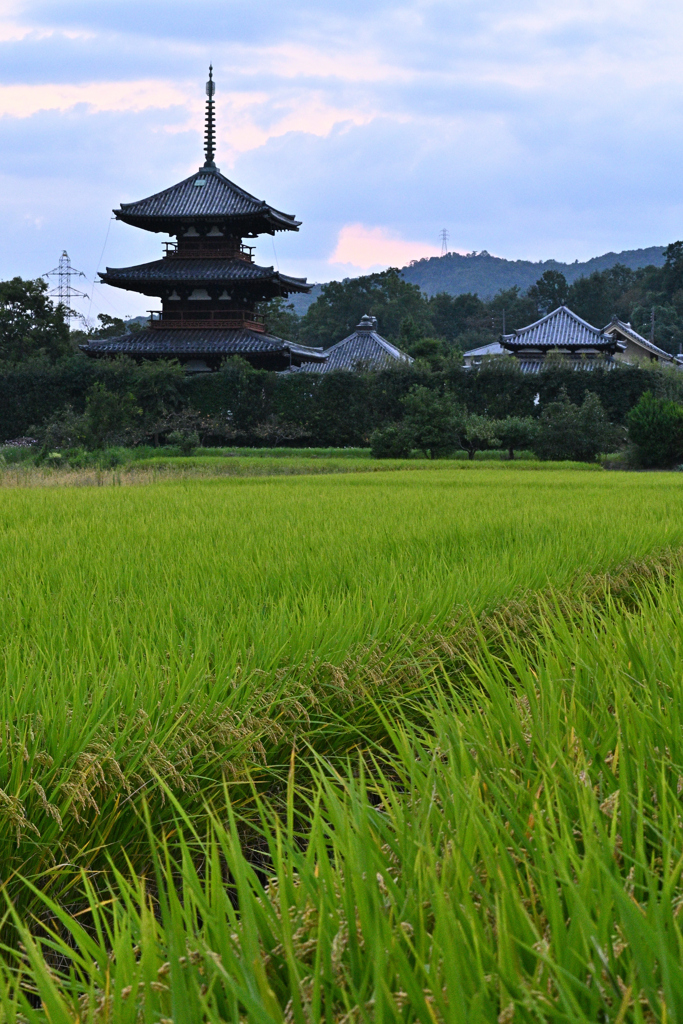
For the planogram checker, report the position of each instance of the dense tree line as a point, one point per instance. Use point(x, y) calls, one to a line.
point(443, 325)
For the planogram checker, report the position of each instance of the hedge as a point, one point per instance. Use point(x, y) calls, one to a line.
point(334, 409)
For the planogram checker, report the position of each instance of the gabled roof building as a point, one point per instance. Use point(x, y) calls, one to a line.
point(365, 349)
point(476, 356)
point(565, 334)
point(561, 331)
point(635, 347)
point(207, 281)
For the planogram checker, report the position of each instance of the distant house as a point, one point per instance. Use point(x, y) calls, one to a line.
point(636, 348)
point(474, 356)
point(365, 349)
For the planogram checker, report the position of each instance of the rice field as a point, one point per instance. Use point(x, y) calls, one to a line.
point(357, 747)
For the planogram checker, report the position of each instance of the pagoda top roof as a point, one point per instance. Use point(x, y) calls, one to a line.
point(560, 329)
point(197, 272)
point(208, 198)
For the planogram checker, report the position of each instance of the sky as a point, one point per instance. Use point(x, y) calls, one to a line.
point(534, 129)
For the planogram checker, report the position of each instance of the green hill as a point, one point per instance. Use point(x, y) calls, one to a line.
point(486, 275)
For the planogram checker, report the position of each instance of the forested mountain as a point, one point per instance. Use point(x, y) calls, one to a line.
point(486, 275)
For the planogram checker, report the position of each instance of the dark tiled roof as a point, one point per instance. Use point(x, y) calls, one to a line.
point(216, 199)
point(364, 348)
point(619, 326)
point(198, 271)
point(210, 341)
point(559, 329)
point(494, 348)
point(536, 365)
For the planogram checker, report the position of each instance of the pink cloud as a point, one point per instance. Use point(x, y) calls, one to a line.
point(365, 247)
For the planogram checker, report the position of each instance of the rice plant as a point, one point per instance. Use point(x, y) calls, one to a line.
point(268, 754)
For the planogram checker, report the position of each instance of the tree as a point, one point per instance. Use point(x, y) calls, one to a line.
point(476, 433)
point(673, 269)
point(432, 419)
point(336, 312)
point(432, 351)
point(110, 416)
point(517, 433)
point(452, 315)
point(549, 292)
point(109, 327)
point(30, 323)
point(280, 318)
point(413, 341)
point(394, 441)
point(519, 309)
point(158, 386)
point(655, 428)
point(597, 297)
point(579, 433)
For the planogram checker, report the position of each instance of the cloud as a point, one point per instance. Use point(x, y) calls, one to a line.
point(363, 248)
point(25, 100)
point(528, 129)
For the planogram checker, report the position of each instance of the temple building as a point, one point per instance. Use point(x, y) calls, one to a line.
point(365, 349)
point(207, 281)
point(564, 333)
point(637, 349)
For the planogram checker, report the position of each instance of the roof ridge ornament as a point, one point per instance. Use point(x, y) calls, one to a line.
point(210, 132)
point(367, 323)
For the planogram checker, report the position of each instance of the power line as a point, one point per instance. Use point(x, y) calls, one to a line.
point(99, 263)
point(64, 292)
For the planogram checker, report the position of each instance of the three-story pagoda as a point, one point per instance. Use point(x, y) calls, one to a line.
point(207, 281)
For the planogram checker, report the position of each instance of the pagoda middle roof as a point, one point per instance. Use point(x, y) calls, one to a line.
point(207, 196)
point(199, 272)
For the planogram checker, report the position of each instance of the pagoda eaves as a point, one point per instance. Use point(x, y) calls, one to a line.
point(211, 346)
point(204, 200)
point(162, 276)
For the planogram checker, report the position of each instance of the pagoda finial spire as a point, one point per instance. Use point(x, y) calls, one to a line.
point(209, 135)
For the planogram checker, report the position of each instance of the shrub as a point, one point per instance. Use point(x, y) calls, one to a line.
point(186, 440)
point(64, 429)
point(655, 429)
point(578, 433)
point(395, 441)
point(432, 419)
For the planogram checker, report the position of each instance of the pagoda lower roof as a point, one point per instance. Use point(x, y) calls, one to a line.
point(208, 197)
point(169, 344)
point(197, 272)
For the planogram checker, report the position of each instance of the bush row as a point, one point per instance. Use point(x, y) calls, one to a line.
point(140, 401)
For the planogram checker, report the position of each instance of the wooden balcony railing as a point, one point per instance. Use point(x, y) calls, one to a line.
point(212, 249)
point(227, 319)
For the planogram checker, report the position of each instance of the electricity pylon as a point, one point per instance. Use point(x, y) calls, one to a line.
point(64, 292)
